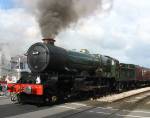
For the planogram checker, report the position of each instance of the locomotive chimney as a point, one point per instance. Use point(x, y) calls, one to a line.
point(49, 41)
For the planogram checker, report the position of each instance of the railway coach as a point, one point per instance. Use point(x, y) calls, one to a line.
point(133, 76)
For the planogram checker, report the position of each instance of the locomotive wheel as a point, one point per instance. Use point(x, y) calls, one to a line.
point(19, 99)
point(47, 100)
point(119, 87)
point(51, 100)
point(15, 98)
point(54, 99)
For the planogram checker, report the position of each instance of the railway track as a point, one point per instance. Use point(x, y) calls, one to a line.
point(130, 107)
point(107, 111)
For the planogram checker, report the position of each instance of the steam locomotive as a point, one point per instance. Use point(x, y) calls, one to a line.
point(58, 74)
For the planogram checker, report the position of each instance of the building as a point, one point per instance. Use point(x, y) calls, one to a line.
point(19, 62)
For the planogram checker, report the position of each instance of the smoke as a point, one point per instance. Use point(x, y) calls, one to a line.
point(56, 15)
point(18, 31)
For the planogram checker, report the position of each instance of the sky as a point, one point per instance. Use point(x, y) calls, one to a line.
point(6, 4)
point(123, 32)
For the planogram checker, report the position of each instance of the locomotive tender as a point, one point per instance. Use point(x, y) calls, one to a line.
point(57, 73)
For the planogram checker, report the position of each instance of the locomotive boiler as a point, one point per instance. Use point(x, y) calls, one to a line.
point(46, 57)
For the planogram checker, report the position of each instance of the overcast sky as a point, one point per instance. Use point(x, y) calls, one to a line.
point(123, 32)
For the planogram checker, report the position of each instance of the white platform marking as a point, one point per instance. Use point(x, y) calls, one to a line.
point(79, 104)
point(131, 116)
point(68, 107)
point(104, 113)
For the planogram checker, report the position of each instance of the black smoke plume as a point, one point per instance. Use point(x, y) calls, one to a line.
point(56, 15)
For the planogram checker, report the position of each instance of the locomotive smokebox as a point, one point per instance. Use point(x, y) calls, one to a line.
point(46, 57)
point(49, 41)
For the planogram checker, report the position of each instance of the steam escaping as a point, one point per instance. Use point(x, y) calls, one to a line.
point(56, 15)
